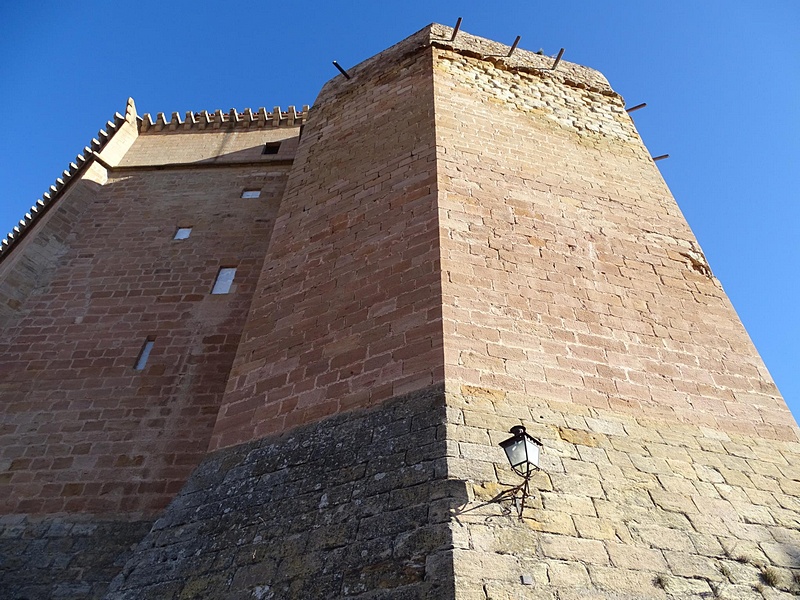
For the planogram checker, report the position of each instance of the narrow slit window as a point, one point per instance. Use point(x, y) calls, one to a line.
point(251, 193)
point(271, 148)
point(182, 233)
point(144, 354)
point(224, 280)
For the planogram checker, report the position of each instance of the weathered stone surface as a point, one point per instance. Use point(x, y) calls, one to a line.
point(571, 548)
point(568, 574)
point(693, 536)
point(60, 558)
point(111, 440)
point(332, 510)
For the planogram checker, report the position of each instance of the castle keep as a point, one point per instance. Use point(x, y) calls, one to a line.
point(271, 355)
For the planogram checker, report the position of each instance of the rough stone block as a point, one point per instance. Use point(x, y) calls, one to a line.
point(570, 548)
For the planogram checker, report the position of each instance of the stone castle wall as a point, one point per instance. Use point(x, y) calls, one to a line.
point(36, 256)
point(353, 506)
point(568, 270)
point(83, 430)
point(64, 557)
point(625, 506)
point(347, 312)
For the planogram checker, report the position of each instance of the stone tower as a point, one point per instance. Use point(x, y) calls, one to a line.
point(454, 241)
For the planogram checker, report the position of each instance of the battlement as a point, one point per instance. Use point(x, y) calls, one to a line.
point(505, 57)
point(511, 58)
point(247, 119)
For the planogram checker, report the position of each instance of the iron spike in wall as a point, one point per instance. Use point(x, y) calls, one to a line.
point(558, 59)
point(341, 70)
point(456, 29)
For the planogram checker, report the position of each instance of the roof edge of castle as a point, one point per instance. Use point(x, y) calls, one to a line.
point(76, 167)
point(247, 119)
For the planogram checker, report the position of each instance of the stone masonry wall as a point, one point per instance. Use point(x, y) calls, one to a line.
point(63, 558)
point(85, 432)
point(568, 269)
point(355, 506)
point(626, 507)
point(36, 257)
point(466, 241)
point(210, 146)
point(347, 311)
point(577, 301)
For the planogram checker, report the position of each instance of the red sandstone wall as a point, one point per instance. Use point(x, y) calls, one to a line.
point(569, 273)
point(35, 256)
point(347, 311)
point(83, 431)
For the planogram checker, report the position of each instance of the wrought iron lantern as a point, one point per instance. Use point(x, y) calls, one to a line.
point(522, 452)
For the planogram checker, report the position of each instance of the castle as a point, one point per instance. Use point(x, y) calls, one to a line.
point(271, 355)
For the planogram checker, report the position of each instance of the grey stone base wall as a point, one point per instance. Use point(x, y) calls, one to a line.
point(59, 558)
point(356, 506)
point(624, 507)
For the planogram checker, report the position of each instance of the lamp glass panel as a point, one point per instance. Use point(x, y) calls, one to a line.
point(533, 451)
point(515, 452)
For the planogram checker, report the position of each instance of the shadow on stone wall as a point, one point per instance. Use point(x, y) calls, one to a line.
point(57, 558)
point(356, 506)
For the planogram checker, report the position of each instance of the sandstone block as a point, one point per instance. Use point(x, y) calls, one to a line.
point(569, 548)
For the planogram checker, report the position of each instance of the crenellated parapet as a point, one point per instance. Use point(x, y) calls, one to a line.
point(218, 120)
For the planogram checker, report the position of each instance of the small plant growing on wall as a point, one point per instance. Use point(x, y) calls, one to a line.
point(770, 576)
point(660, 581)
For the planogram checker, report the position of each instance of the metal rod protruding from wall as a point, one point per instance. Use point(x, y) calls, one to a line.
point(455, 30)
point(341, 70)
point(514, 45)
point(637, 107)
point(558, 60)
point(662, 157)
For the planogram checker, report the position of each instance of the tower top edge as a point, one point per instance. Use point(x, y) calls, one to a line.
point(511, 57)
point(504, 56)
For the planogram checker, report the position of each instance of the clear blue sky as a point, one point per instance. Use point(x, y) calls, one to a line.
point(721, 79)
